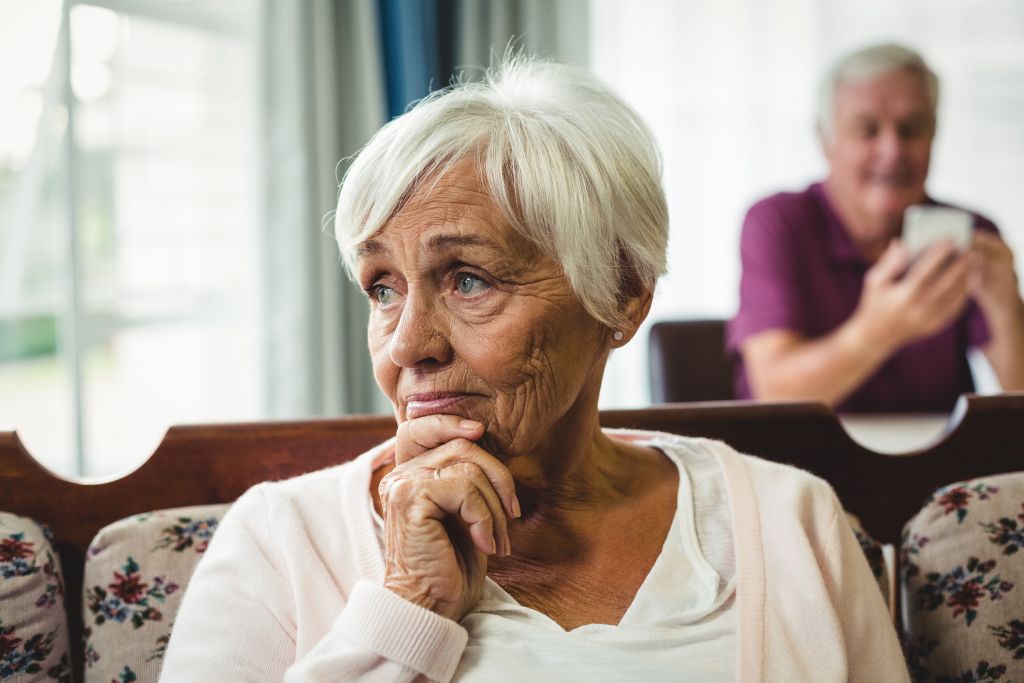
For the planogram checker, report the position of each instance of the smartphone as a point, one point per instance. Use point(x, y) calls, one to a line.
point(924, 225)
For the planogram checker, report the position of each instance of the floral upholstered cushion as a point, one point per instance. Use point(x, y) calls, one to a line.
point(33, 622)
point(963, 583)
point(136, 570)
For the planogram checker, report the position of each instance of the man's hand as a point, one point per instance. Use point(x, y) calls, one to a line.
point(903, 301)
point(991, 279)
point(992, 282)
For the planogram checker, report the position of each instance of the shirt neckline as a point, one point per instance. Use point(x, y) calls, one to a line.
point(681, 539)
point(683, 531)
point(841, 248)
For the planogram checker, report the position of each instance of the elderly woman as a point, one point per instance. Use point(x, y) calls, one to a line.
point(509, 236)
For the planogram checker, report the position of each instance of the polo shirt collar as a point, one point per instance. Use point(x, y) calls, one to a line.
point(841, 249)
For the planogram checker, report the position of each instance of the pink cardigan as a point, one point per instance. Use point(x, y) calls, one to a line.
point(289, 589)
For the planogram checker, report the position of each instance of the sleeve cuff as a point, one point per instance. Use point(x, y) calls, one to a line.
point(382, 622)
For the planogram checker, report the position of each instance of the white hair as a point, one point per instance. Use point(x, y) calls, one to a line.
point(869, 63)
point(570, 165)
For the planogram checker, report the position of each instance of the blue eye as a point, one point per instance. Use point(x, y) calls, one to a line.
point(383, 295)
point(470, 284)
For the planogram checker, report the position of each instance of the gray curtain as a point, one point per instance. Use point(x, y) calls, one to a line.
point(557, 29)
point(324, 97)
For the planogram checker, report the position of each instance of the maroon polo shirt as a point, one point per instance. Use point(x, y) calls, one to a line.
point(802, 272)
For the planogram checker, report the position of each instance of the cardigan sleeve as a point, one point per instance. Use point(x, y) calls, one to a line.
point(395, 638)
point(823, 617)
point(237, 621)
point(872, 646)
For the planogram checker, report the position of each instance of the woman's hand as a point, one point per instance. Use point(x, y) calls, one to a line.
point(446, 507)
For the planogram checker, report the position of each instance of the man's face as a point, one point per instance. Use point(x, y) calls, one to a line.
point(880, 147)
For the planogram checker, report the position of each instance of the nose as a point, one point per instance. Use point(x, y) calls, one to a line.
point(890, 144)
point(421, 335)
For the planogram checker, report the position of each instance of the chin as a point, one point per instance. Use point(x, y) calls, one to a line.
point(888, 204)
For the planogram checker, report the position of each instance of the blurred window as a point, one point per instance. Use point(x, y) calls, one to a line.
point(129, 252)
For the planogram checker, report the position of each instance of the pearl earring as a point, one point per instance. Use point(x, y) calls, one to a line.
point(617, 335)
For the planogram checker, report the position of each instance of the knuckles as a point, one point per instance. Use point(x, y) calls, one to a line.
point(460, 447)
point(395, 488)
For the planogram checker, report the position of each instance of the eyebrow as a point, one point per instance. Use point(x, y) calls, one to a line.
point(372, 247)
point(442, 242)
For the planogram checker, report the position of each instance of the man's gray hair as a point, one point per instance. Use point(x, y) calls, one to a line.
point(869, 63)
point(571, 166)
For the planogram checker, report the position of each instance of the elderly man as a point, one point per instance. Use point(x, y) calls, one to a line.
point(832, 307)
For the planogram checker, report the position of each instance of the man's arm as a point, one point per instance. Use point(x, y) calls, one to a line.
point(786, 366)
point(1005, 350)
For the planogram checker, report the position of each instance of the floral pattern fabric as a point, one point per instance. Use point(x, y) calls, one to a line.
point(875, 555)
point(136, 571)
point(961, 581)
point(33, 622)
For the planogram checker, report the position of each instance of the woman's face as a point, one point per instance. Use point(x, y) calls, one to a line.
point(468, 318)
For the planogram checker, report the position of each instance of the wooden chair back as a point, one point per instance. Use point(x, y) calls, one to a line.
point(688, 362)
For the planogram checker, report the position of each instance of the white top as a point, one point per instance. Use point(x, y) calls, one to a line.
point(291, 588)
point(680, 625)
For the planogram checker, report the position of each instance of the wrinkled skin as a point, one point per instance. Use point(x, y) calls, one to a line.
point(493, 367)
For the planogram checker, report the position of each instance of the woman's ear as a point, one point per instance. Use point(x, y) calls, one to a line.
point(634, 300)
point(638, 305)
point(635, 305)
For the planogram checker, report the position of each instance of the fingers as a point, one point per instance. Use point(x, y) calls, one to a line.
point(933, 302)
point(462, 451)
point(988, 251)
point(468, 498)
point(983, 239)
point(415, 437)
point(456, 474)
point(992, 280)
point(977, 266)
point(451, 438)
point(931, 264)
point(477, 505)
point(891, 264)
point(948, 293)
point(450, 466)
point(473, 473)
point(464, 460)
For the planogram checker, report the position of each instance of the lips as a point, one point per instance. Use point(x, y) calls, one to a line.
point(432, 403)
point(897, 178)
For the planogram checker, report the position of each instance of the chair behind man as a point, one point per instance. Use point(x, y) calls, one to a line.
point(688, 362)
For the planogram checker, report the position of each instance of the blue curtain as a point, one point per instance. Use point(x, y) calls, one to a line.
point(424, 42)
point(412, 49)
